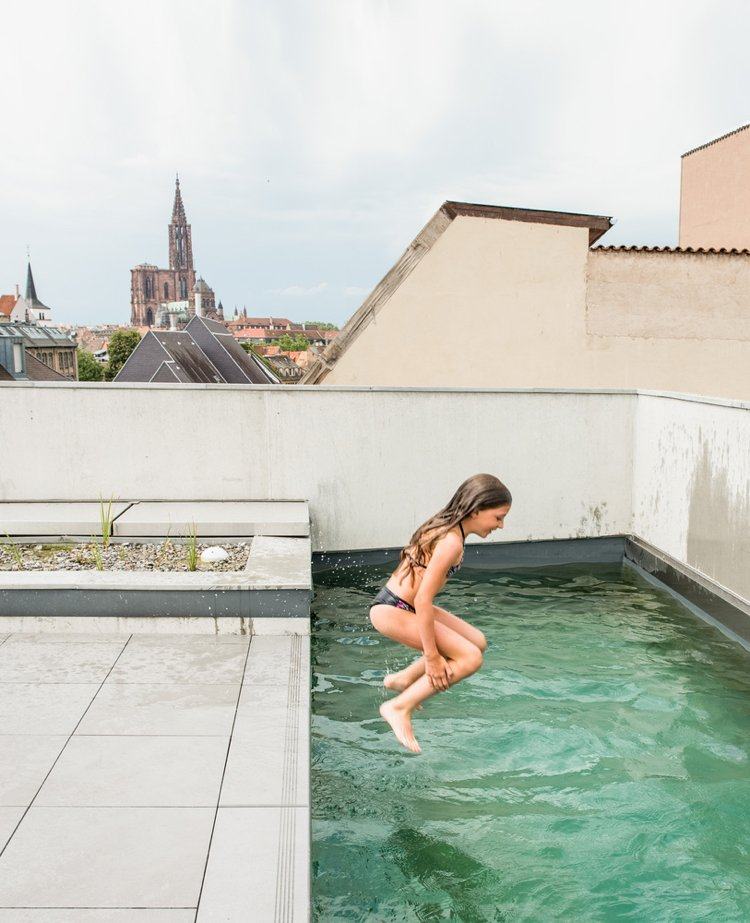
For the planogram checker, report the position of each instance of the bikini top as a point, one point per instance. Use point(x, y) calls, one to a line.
point(454, 567)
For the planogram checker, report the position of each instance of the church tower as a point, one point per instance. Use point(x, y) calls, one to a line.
point(157, 294)
point(180, 243)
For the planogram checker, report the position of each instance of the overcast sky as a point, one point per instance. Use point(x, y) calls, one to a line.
point(314, 139)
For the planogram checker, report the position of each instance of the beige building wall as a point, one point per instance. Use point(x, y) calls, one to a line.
point(500, 303)
point(715, 193)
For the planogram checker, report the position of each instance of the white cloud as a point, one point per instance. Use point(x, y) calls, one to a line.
point(300, 290)
point(314, 140)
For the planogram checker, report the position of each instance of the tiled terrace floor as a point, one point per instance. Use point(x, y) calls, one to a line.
point(154, 778)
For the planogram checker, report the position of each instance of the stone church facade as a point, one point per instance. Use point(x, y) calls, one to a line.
point(168, 298)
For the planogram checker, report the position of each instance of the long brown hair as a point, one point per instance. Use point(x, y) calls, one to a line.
point(479, 492)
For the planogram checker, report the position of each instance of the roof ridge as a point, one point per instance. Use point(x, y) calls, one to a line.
point(716, 140)
point(638, 248)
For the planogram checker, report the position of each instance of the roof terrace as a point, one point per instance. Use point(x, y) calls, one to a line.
point(112, 727)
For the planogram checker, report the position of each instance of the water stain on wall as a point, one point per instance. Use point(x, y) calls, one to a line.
point(718, 541)
point(593, 522)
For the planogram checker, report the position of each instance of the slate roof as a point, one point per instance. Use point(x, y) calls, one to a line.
point(204, 352)
point(235, 364)
point(36, 370)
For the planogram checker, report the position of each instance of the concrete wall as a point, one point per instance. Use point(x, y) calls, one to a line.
point(498, 303)
point(692, 485)
point(373, 464)
point(675, 296)
point(715, 194)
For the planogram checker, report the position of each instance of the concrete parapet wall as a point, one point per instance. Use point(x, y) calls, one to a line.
point(374, 463)
point(691, 485)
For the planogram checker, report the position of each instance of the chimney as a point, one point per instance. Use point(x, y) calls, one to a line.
point(18, 292)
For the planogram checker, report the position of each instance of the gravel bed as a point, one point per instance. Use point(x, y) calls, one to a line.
point(167, 555)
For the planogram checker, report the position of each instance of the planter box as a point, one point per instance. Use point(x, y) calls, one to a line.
point(276, 584)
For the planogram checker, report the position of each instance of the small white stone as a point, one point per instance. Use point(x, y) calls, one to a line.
point(214, 553)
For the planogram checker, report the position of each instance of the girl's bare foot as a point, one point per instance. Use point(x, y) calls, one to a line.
point(400, 722)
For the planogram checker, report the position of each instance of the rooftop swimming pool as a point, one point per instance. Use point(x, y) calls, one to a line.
point(596, 768)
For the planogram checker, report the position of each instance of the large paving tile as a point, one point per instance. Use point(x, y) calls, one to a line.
point(278, 659)
point(29, 662)
point(43, 708)
point(24, 762)
point(184, 639)
point(137, 772)
point(269, 761)
point(9, 817)
point(67, 637)
point(194, 662)
point(60, 915)
point(106, 857)
point(162, 709)
point(257, 699)
point(273, 844)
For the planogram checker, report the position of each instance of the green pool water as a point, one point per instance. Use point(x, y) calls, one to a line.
point(595, 768)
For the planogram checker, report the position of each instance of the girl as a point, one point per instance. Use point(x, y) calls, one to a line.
point(403, 609)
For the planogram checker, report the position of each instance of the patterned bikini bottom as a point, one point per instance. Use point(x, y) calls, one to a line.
point(389, 598)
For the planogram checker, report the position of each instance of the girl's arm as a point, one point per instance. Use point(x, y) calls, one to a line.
point(447, 552)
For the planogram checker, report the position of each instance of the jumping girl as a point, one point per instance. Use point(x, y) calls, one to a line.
point(404, 610)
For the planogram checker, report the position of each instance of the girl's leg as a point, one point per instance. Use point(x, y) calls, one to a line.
point(404, 678)
point(464, 656)
point(397, 711)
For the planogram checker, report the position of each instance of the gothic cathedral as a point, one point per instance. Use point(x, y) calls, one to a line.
point(168, 298)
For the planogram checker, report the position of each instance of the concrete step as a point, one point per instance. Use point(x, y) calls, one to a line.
point(155, 519)
point(226, 518)
point(54, 519)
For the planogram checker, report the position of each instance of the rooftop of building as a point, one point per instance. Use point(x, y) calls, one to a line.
point(729, 134)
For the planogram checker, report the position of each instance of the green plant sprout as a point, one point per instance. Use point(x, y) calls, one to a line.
point(15, 551)
point(192, 547)
point(96, 551)
point(105, 518)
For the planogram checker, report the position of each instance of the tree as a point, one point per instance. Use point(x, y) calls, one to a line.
point(121, 345)
point(320, 324)
point(249, 348)
point(88, 368)
point(288, 344)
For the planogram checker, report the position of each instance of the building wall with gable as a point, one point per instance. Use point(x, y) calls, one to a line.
point(715, 194)
point(545, 311)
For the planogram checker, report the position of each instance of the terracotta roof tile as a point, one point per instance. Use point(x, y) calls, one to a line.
point(640, 249)
point(7, 303)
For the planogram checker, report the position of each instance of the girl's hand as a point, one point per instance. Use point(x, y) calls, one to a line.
point(438, 671)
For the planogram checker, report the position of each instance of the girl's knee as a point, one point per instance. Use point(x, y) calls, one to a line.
point(472, 661)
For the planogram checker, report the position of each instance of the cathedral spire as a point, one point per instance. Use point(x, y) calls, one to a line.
point(30, 287)
point(180, 243)
point(178, 209)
